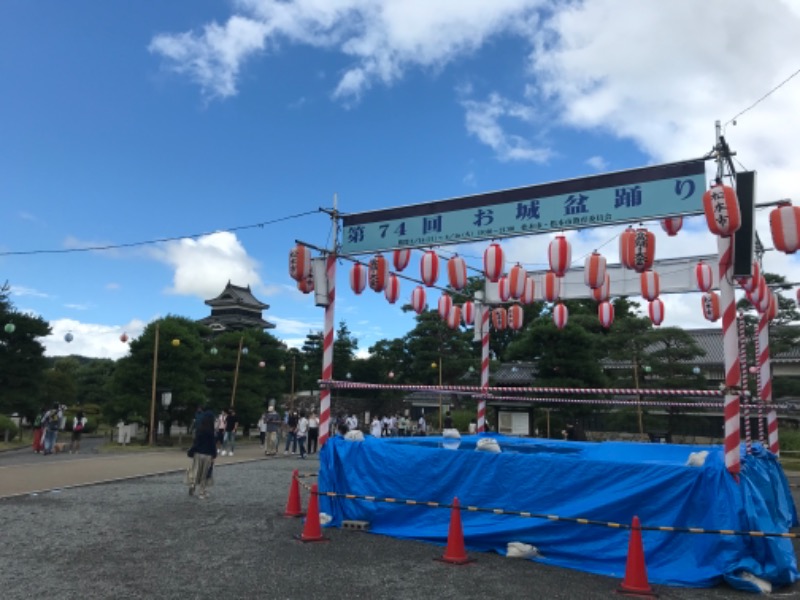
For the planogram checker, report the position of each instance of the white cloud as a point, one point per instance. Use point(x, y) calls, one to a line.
point(88, 339)
point(77, 306)
point(204, 266)
point(598, 163)
point(21, 290)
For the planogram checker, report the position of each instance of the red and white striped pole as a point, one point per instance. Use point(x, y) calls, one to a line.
point(759, 401)
point(731, 351)
point(748, 439)
point(327, 353)
point(765, 386)
point(484, 316)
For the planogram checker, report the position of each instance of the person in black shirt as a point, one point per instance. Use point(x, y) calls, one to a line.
point(203, 452)
point(448, 421)
point(291, 437)
point(231, 424)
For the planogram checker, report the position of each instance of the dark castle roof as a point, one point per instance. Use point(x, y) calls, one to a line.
point(235, 309)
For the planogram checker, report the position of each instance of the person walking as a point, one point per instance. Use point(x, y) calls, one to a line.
point(291, 433)
point(231, 424)
point(262, 430)
point(375, 427)
point(302, 433)
point(313, 433)
point(78, 425)
point(203, 452)
point(422, 425)
point(273, 429)
point(51, 422)
point(38, 432)
point(220, 430)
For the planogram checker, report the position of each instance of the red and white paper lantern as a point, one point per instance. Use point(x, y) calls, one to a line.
point(594, 270)
point(418, 299)
point(378, 273)
point(603, 293)
point(605, 313)
point(457, 273)
point(766, 302)
point(704, 276)
point(299, 262)
point(515, 317)
point(626, 247)
point(400, 259)
point(672, 225)
point(772, 311)
point(560, 255)
point(445, 304)
point(454, 317)
point(750, 283)
point(650, 284)
point(560, 315)
point(429, 268)
point(392, 290)
point(468, 312)
point(503, 289)
point(358, 278)
point(306, 285)
point(710, 304)
point(493, 262)
point(517, 277)
point(656, 311)
point(551, 287)
point(641, 250)
point(721, 208)
point(784, 223)
point(499, 319)
point(759, 292)
point(529, 293)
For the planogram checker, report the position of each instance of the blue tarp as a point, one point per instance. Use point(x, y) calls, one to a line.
point(609, 482)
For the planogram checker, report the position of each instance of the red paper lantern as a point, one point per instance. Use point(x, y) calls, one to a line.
point(429, 268)
point(759, 292)
point(378, 273)
point(551, 287)
point(123, 338)
point(672, 225)
point(650, 284)
point(710, 304)
point(454, 317)
point(493, 262)
point(499, 318)
point(626, 247)
point(560, 315)
point(468, 312)
point(516, 281)
point(515, 317)
point(603, 293)
point(392, 290)
point(445, 304)
point(721, 208)
point(400, 258)
point(299, 262)
point(418, 299)
point(594, 271)
point(358, 278)
point(560, 255)
point(704, 276)
point(772, 311)
point(503, 289)
point(529, 293)
point(784, 223)
point(457, 273)
point(605, 313)
point(656, 311)
point(765, 302)
point(306, 285)
point(640, 250)
point(750, 283)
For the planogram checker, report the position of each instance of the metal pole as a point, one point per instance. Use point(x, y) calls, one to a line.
point(236, 372)
point(153, 396)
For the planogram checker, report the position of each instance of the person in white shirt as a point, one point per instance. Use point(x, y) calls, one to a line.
point(375, 427)
point(422, 426)
point(78, 425)
point(302, 433)
point(351, 422)
point(262, 429)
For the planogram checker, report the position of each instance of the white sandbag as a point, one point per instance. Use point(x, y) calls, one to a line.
point(521, 550)
point(697, 459)
point(487, 445)
point(354, 436)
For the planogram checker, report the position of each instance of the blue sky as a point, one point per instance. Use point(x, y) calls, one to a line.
point(123, 122)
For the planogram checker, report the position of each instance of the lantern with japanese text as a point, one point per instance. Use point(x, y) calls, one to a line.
point(529, 293)
point(358, 277)
point(418, 299)
point(551, 287)
point(454, 317)
point(560, 255)
point(503, 289)
point(515, 317)
point(605, 313)
point(721, 208)
point(710, 304)
point(750, 283)
point(516, 281)
point(704, 276)
point(457, 272)
point(429, 268)
point(603, 293)
point(306, 285)
point(392, 290)
point(468, 312)
point(499, 318)
point(650, 284)
point(445, 304)
point(400, 259)
point(672, 225)
point(642, 249)
point(299, 262)
point(784, 223)
point(378, 273)
point(594, 270)
point(493, 262)
point(656, 311)
point(560, 315)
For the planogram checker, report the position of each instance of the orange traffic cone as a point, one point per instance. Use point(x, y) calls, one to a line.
point(455, 553)
point(312, 530)
point(293, 506)
point(635, 582)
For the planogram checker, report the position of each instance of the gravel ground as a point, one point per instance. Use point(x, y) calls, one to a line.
point(147, 538)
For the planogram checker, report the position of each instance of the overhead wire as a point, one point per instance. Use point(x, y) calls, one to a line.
point(762, 98)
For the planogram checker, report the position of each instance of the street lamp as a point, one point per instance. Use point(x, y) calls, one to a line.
point(175, 343)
